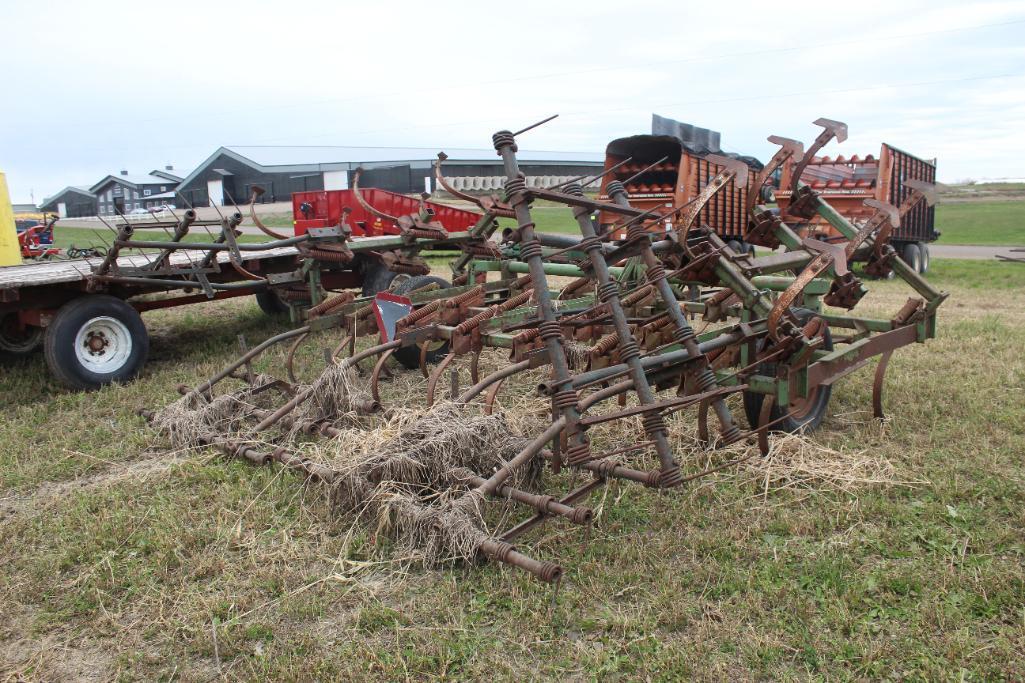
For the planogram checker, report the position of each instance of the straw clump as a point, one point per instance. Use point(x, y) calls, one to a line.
point(193, 420)
point(336, 394)
point(412, 487)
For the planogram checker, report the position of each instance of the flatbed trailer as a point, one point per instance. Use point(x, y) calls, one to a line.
point(85, 312)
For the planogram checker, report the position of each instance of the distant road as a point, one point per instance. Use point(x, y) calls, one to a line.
point(971, 252)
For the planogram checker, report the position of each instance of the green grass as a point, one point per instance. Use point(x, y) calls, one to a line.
point(961, 222)
point(976, 222)
point(124, 561)
point(65, 237)
point(975, 275)
point(983, 223)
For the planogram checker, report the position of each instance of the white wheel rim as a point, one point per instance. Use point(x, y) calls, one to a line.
point(103, 345)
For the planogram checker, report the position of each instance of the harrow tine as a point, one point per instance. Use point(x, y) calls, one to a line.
point(535, 125)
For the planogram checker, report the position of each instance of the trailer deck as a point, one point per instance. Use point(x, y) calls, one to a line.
point(45, 273)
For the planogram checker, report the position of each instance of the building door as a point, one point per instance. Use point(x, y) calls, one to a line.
point(119, 205)
point(336, 180)
point(62, 209)
point(215, 191)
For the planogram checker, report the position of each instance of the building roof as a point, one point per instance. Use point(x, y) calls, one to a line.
point(134, 180)
point(300, 158)
point(78, 189)
point(170, 175)
point(303, 155)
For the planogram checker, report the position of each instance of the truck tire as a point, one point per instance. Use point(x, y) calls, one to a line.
point(810, 411)
point(377, 278)
point(923, 247)
point(270, 303)
point(912, 256)
point(409, 356)
point(17, 341)
point(96, 340)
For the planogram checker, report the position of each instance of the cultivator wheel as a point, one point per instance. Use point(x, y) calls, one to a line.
point(651, 325)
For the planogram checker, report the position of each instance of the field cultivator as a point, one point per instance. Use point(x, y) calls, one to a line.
point(587, 321)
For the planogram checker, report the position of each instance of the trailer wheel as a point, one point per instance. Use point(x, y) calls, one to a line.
point(912, 256)
point(377, 278)
point(924, 249)
point(808, 412)
point(409, 356)
point(270, 303)
point(96, 340)
point(16, 340)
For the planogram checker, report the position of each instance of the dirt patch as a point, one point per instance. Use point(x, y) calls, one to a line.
point(51, 657)
point(50, 492)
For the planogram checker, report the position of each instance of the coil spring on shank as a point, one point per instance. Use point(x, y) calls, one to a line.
point(331, 256)
point(503, 138)
point(564, 399)
point(419, 314)
point(605, 344)
point(515, 187)
point(607, 291)
point(526, 336)
point(578, 453)
point(654, 424)
point(669, 477)
point(615, 187)
point(628, 351)
point(550, 329)
point(655, 273)
point(637, 231)
point(475, 321)
point(530, 249)
point(410, 268)
point(684, 335)
point(590, 244)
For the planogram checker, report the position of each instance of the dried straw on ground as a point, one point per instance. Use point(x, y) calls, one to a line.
point(335, 394)
point(410, 485)
point(193, 420)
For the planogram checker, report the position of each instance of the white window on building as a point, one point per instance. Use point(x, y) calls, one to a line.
point(146, 193)
point(135, 195)
point(163, 188)
point(117, 190)
point(110, 196)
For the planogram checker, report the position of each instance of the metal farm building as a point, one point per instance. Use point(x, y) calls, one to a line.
point(231, 173)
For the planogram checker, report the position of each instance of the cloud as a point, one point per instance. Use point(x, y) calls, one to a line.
point(123, 85)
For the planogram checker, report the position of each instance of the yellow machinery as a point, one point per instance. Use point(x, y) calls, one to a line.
point(10, 252)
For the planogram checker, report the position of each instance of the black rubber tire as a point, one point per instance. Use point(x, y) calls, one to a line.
point(912, 256)
point(923, 248)
point(60, 341)
point(409, 356)
point(15, 343)
point(810, 420)
point(377, 278)
point(270, 303)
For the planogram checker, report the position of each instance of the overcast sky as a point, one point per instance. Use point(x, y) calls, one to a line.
point(95, 87)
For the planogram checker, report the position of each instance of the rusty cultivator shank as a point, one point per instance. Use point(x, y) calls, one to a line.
point(620, 329)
